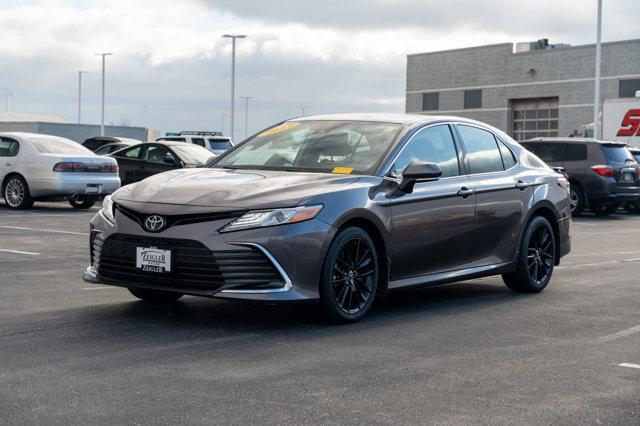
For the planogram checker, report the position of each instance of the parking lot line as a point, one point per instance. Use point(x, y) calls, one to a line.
point(625, 364)
point(84, 234)
point(20, 252)
point(620, 334)
point(607, 262)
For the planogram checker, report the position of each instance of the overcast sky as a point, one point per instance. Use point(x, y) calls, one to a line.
point(332, 56)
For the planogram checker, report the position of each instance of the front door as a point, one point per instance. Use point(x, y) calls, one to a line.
point(433, 225)
point(153, 161)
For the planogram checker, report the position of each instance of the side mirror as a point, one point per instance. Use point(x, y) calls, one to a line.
point(418, 172)
point(168, 159)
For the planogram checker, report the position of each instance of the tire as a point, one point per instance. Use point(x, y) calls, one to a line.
point(603, 209)
point(82, 204)
point(632, 207)
point(16, 193)
point(577, 199)
point(155, 295)
point(350, 276)
point(536, 259)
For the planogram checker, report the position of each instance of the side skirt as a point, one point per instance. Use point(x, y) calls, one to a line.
point(452, 276)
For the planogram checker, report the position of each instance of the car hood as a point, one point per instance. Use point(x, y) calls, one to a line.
point(231, 189)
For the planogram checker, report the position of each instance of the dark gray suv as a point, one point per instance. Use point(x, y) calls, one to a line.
point(338, 209)
point(603, 175)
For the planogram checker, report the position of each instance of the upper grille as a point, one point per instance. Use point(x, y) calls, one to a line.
point(181, 219)
point(194, 268)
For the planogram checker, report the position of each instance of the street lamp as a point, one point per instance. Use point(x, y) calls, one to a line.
point(246, 114)
point(596, 101)
point(144, 114)
point(222, 115)
point(102, 113)
point(303, 109)
point(80, 94)
point(8, 97)
point(233, 38)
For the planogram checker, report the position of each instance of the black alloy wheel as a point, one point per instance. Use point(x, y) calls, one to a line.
point(350, 278)
point(536, 258)
point(540, 254)
point(81, 204)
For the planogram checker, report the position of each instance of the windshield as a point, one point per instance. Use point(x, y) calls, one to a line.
point(192, 154)
point(58, 146)
point(617, 154)
point(221, 145)
point(318, 146)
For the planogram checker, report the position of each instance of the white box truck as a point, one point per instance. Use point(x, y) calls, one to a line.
point(621, 120)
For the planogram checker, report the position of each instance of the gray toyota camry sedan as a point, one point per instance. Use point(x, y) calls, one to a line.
point(338, 209)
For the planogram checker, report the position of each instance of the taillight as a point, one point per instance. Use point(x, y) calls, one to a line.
point(76, 166)
point(605, 171)
point(63, 167)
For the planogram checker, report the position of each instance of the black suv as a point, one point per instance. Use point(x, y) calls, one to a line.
point(634, 206)
point(603, 175)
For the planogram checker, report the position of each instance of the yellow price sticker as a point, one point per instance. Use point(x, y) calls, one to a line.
point(342, 170)
point(278, 129)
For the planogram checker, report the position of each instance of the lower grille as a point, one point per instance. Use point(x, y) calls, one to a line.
point(195, 268)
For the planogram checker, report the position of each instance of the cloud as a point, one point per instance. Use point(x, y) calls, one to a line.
point(331, 56)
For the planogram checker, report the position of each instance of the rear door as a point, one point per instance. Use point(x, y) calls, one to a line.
point(502, 191)
point(129, 162)
point(9, 149)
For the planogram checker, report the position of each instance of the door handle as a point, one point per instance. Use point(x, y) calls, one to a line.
point(522, 185)
point(465, 192)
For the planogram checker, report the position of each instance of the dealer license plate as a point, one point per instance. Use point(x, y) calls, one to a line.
point(152, 259)
point(627, 177)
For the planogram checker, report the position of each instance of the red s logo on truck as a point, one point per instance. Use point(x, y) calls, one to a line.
point(630, 124)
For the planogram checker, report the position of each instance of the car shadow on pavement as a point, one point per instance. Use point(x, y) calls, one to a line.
point(196, 318)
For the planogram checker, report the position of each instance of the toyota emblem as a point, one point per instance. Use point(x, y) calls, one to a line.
point(155, 223)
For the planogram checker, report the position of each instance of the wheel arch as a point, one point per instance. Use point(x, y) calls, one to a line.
point(545, 209)
point(377, 233)
point(585, 197)
point(8, 176)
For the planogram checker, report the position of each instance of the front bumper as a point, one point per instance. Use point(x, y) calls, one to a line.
point(295, 251)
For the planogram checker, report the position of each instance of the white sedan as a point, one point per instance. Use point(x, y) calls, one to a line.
point(36, 167)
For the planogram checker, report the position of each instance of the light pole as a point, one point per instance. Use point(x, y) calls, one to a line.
point(8, 101)
point(144, 114)
point(303, 109)
point(246, 114)
point(233, 38)
point(222, 122)
point(596, 101)
point(80, 95)
point(102, 113)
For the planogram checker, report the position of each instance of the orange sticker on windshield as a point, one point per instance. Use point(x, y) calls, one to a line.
point(342, 170)
point(278, 129)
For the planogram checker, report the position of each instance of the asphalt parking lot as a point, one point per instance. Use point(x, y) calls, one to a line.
point(469, 352)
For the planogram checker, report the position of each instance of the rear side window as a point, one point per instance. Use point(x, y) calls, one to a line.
point(507, 156)
point(575, 152)
point(198, 141)
point(547, 152)
point(482, 149)
point(8, 148)
point(432, 145)
point(616, 154)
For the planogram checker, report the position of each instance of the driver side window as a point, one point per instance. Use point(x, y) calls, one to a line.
point(434, 144)
point(156, 154)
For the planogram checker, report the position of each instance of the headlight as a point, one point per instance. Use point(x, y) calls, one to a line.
point(107, 209)
point(262, 218)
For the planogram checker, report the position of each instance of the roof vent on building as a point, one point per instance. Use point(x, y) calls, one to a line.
point(541, 44)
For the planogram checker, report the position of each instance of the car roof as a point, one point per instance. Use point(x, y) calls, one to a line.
point(28, 135)
point(405, 119)
point(581, 140)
